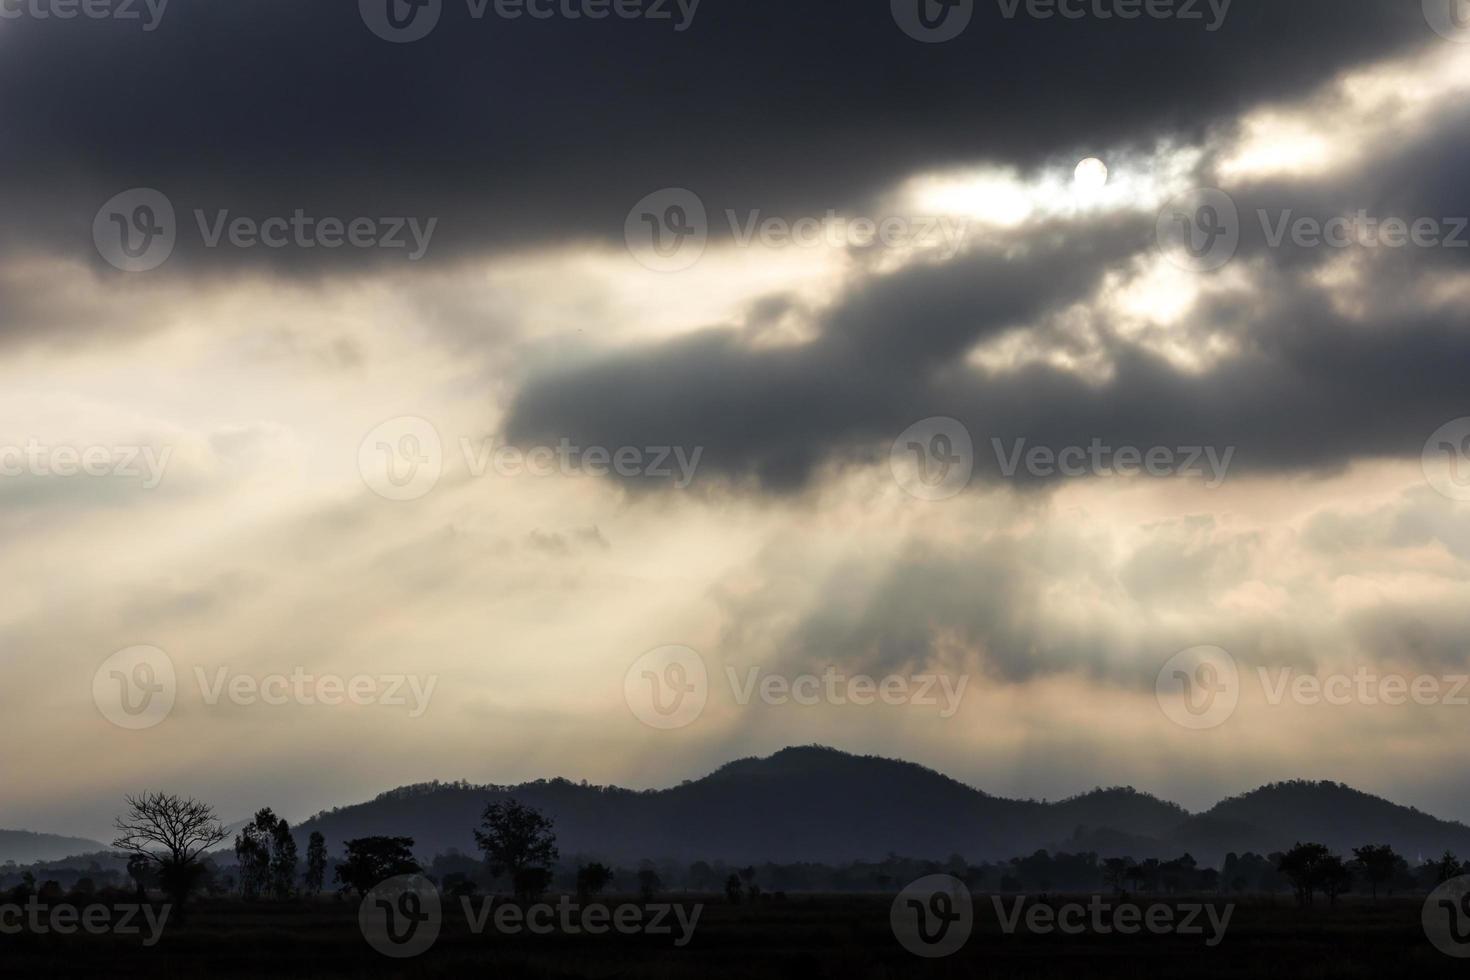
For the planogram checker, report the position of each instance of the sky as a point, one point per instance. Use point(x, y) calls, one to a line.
point(501, 391)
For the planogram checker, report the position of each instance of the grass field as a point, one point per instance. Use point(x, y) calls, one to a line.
point(805, 936)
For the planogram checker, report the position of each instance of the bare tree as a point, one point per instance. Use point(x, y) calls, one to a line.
point(173, 832)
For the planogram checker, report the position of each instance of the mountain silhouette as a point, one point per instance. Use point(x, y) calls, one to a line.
point(822, 805)
point(24, 847)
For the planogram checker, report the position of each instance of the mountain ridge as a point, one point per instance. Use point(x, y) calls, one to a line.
point(815, 803)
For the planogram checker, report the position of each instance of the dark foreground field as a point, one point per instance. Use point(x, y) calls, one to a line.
point(805, 936)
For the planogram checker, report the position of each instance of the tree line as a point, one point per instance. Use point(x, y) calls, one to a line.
point(167, 840)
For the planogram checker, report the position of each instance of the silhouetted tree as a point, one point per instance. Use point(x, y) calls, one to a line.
point(733, 892)
point(1376, 863)
point(140, 869)
point(1447, 867)
point(253, 853)
point(530, 883)
point(283, 861)
point(703, 877)
point(1334, 877)
point(1115, 871)
point(592, 879)
point(518, 840)
point(649, 884)
point(1137, 875)
point(372, 860)
point(173, 832)
point(1303, 865)
point(316, 863)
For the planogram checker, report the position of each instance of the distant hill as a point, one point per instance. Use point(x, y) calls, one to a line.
point(822, 805)
point(24, 847)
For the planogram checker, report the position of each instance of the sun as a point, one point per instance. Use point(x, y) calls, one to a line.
point(1091, 175)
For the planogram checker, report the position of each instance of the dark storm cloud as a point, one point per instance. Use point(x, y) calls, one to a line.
point(524, 131)
point(1307, 386)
